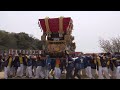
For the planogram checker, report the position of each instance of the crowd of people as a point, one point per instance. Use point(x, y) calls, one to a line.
point(38, 66)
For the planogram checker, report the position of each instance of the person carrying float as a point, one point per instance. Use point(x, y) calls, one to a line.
point(7, 66)
point(69, 67)
point(29, 66)
point(39, 72)
point(34, 60)
point(20, 68)
point(78, 67)
point(47, 66)
point(57, 71)
point(88, 59)
point(94, 66)
point(103, 63)
point(117, 66)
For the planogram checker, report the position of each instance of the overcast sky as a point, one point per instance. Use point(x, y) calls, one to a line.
point(89, 26)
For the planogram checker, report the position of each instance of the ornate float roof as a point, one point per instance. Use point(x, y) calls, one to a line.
point(55, 24)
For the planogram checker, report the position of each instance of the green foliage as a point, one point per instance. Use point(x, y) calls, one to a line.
point(18, 41)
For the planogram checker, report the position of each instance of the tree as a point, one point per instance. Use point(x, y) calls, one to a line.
point(18, 41)
point(112, 45)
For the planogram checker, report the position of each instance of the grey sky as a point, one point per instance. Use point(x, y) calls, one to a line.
point(89, 26)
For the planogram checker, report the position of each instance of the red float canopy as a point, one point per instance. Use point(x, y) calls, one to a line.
point(54, 24)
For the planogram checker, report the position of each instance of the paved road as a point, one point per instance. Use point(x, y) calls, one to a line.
point(63, 76)
point(1, 75)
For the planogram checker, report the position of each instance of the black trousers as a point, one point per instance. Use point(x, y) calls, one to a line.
point(69, 74)
point(76, 73)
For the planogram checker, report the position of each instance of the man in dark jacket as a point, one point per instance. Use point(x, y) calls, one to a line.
point(39, 72)
point(88, 59)
point(0, 62)
point(34, 60)
point(69, 68)
point(15, 64)
point(63, 64)
point(78, 66)
point(24, 64)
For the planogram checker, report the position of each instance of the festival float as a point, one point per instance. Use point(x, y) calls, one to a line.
point(57, 39)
